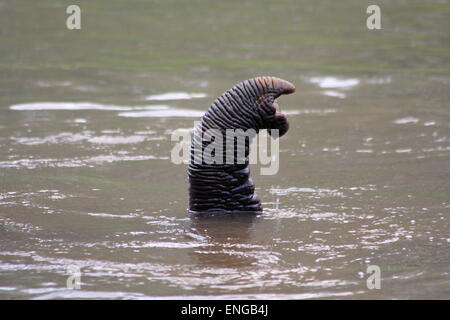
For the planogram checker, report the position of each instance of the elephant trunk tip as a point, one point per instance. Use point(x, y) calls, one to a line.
point(282, 86)
point(287, 87)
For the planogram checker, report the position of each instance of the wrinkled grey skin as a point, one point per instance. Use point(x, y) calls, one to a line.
point(227, 188)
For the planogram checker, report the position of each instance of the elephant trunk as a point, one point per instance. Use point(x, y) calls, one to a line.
point(219, 185)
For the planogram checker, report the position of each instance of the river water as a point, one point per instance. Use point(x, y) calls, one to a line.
point(86, 181)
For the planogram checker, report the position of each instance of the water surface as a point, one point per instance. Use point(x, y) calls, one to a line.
point(86, 178)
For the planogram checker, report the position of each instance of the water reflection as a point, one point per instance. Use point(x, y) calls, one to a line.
point(175, 96)
point(229, 238)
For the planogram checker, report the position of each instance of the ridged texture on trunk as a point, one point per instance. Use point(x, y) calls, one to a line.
point(227, 187)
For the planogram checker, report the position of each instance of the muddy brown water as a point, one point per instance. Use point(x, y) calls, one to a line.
point(86, 179)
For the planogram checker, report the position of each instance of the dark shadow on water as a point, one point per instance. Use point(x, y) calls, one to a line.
point(228, 237)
